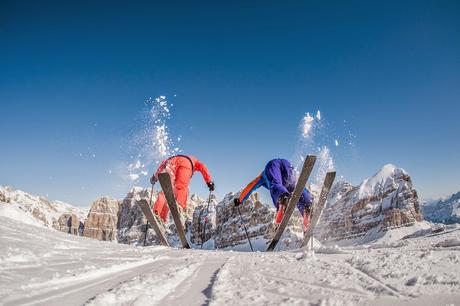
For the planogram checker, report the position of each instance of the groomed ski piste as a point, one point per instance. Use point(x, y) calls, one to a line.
point(40, 266)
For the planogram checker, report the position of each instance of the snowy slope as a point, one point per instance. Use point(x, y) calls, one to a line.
point(41, 209)
point(44, 267)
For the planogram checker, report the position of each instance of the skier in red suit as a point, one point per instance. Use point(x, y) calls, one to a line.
point(181, 169)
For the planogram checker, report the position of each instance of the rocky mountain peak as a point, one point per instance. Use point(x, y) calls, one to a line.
point(385, 200)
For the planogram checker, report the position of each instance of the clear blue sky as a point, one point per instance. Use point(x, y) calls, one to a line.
point(74, 76)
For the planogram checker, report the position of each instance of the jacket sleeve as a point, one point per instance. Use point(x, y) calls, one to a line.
point(199, 166)
point(250, 188)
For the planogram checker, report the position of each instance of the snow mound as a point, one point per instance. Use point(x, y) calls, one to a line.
point(14, 213)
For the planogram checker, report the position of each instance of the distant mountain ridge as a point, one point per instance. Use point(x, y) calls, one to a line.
point(48, 213)
point(443, 211)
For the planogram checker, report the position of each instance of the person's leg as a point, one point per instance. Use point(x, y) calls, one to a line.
point(278, 192)
point(160, 208)
point(181, 187)
point(304, 206)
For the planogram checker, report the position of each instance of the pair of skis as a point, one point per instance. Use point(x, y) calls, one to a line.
point(294, 199)
point(165, 182)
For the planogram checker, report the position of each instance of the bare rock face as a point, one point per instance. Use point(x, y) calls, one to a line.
point(203, 219)
point(68, 223)
point(102, 221)
point(230, 231)
point(132, 224)
point(384, 201)
point(63, 223)
point(3, 197)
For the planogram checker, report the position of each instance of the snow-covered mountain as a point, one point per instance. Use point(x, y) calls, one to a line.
point(385, 200)
point(443, 211)
point(51, 214)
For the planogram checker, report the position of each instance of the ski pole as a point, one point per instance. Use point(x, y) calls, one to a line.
point(203, 236)
point(244, 226)
point(147, 224)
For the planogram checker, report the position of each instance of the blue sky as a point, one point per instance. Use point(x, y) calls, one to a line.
point(75, 74)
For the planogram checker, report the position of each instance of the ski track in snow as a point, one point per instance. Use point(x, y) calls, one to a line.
point(39, 266)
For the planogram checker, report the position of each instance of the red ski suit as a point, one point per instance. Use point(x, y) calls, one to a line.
point(180, 168)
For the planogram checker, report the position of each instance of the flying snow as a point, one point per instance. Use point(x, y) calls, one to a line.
point(154, 141)
point(307, 125)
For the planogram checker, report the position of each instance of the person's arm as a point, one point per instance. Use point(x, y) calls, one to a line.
point(250, 188)
point(160, 169)
point(199, 166)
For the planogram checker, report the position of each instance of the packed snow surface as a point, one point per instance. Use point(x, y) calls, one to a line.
point(39, 266)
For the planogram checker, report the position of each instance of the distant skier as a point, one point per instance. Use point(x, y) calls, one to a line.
point(181, 169)
point(279, 177)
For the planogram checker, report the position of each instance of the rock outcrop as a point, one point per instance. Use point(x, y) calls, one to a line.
point(443, 211)
point(132, 223)
point(102, 221)
point(384, 201)
point(203, 221)
point(3, 197)
point(225, 227)
point(229, 228)
point(69, 223)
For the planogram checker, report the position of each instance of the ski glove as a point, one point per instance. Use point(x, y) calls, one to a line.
point(237, 202)
point(211, 186)
point(284, 198)
point(153, 180)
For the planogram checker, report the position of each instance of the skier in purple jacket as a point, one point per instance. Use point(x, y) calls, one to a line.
point(279, 177)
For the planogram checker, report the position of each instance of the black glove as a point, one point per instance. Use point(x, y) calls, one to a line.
point(211, 186)
point(284, 198)
point(153, 180)
point(237, 202)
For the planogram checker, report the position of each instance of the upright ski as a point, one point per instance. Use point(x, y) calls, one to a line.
point(151, 218)
point(165, 182)
point(295, 197)
point(318, 208)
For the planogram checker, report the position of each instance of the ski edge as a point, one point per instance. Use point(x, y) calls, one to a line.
point(166, 186)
